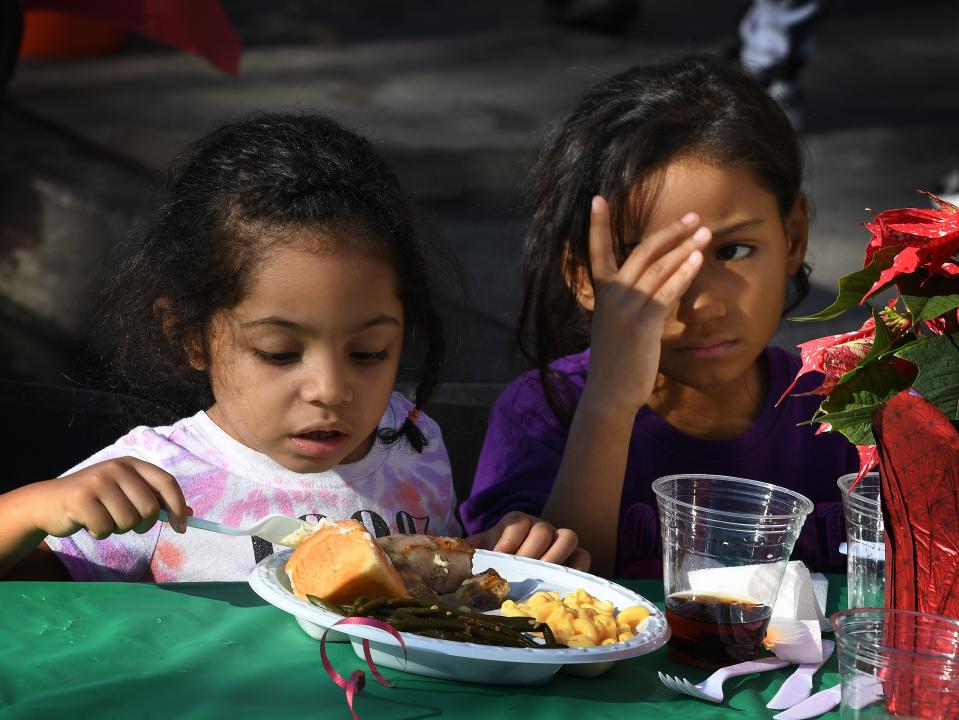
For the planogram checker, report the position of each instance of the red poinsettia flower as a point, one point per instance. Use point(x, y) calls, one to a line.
point(912, 344)
point(868, 460)
point(833, 356)
point(928, 238)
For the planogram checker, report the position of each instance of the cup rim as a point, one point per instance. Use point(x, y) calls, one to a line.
point(859, 496)
point(888, 650)
point(803, 501)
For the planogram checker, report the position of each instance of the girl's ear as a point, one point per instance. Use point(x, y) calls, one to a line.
point(577, 280)
point(194, 354)
point(192, 349)
point(797, 234)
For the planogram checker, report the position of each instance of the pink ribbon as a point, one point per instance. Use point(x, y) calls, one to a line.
point(357, 679)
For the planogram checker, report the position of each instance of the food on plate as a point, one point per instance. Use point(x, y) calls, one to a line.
point(417, 583)
point(579, 619)
point(341, 562)
point(429, 564)
point(485, 591)
point(441, 569)
point(304, 531)
point(448, 623)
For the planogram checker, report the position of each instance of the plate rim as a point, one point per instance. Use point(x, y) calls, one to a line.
point(260, 582)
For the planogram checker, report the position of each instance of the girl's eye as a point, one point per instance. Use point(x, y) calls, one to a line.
point(734, 251)
point(283, 358)
point(369, 358)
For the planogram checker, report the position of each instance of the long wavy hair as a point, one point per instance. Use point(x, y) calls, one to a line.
point(620, 133)
point(230, 197)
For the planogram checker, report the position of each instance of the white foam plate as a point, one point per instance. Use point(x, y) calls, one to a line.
point(471, 662)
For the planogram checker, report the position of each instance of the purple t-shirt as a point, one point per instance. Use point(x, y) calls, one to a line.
point(525, 442)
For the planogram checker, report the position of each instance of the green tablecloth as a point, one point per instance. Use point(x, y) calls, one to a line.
point(215, 650)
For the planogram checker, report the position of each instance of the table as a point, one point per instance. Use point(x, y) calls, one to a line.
point(215, 650)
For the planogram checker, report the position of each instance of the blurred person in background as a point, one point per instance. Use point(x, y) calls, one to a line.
point(775, 38)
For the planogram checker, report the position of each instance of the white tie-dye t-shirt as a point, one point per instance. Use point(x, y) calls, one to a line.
point(392, 490)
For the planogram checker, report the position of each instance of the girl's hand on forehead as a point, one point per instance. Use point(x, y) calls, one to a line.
point(113, 496)
point(632, 303)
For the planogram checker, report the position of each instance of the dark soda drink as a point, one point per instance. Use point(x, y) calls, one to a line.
point(710, 631)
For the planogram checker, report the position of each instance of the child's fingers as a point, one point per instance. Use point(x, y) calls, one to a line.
point(512, 531)
point(654, 247)
point(539, 540)
point(563, 546)
point(663, 269)
point(579, 560)
point(669, 293)
point(96, 518)
point(144, 500)
point(601, 257)
point(166, 488)
point(123, 513)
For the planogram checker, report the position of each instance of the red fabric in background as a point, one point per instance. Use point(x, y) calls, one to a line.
point(200, 27)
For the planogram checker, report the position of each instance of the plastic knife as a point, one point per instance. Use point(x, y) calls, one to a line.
point(813, 706)
point(864, 690)
point(797, 686)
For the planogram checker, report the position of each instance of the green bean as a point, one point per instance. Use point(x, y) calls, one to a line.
point(409, 602)
point(548, 636)
point(499, 623)
point(368, 606)
point(492, 637)
point(428, 619)
point(416, 624)
point(525, 624)
point(329, 607)
point(357, 602)
point(446, 635)
point(423, 612)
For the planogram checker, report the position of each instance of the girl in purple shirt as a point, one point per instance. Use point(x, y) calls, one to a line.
point(668, 239)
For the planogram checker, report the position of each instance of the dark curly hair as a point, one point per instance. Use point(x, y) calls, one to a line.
point(620, 133)
point(231, 196)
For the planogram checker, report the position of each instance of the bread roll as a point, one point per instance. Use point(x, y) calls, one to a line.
point(341, 562)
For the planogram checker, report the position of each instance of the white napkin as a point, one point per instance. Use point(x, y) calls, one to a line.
point(795, 630)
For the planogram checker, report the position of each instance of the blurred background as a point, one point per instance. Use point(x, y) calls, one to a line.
point(457, 95)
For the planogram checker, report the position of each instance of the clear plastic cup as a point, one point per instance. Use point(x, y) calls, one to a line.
point(726, 542)
point(865, 542)
point(897, 664)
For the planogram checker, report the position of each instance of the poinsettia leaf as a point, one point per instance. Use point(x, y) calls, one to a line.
point(853, 287)
point(881, 379)
point(944, 205)
point(937, 359)
point(922, 284)
point(927, 308)
point(882, 340)
point(860, 392)
point(857, 430)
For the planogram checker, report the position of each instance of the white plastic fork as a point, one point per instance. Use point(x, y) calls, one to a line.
point(712, 687)
point(277, 529)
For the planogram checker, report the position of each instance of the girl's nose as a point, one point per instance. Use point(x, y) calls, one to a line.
point(705, 300)
point(326, 384)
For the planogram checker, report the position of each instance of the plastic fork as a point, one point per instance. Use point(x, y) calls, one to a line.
point(277, 529)
point(712, 687)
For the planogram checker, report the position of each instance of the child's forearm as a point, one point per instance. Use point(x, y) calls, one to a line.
point(586, 494)
point(19, 534)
